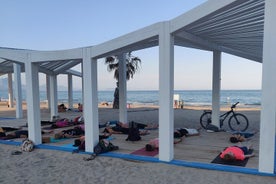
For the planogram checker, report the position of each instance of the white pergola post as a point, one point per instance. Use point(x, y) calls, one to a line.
point(33, 104)
point(268, 112)
point(122, 89)
point(70, 91)
point(10, 90)
point(48, 90)
point(166, 83)
point(216, 88)
point(90, 107)
point(53, 96)
point(18, 90)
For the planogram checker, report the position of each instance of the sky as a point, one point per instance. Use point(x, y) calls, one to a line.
point(66, 24)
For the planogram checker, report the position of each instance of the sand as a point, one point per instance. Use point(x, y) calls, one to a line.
point(51, 166)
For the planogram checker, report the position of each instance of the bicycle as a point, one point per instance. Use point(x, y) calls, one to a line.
point(236, 122)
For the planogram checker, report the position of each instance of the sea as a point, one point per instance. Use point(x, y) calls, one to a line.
point(150, 97)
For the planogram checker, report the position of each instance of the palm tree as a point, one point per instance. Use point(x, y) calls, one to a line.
point(132, 66)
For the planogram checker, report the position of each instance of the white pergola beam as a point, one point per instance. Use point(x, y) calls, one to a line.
point(70, 54)
point(197, 13)
point(14, 54)
point(120, 44)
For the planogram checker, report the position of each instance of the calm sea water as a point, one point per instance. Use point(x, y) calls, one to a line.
point(190, 97)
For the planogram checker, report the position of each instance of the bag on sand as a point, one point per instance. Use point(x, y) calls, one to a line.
point(212, 128)
point(133, 133)
point(104, 146)
point(27, 145)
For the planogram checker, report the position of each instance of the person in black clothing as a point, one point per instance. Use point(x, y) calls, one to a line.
point(123, 128)
point(70, 133)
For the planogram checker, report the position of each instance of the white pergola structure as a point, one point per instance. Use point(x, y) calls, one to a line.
point(242, 28)
point(14, 61)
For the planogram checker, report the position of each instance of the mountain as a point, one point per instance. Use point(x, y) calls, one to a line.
point(4, 86)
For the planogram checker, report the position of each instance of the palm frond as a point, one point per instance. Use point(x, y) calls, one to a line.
point(132, 65)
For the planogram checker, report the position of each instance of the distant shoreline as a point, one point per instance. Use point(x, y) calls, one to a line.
point(44, 105)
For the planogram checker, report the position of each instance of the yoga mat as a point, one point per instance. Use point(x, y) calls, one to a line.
point(110, 138)
point(70, 146)
point(143, 152)
point(53, 140)
point(6, 118)
point(241, 163)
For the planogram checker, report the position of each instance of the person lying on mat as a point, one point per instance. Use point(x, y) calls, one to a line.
point(62, 108)
point(154, 143)
point(62, 123)
point(123, 128)
point(70, 133)
point(181, 132)
point(118, 129)
point(138, 125)
point(20, 134)
point(80, 107)
point(240, 136)
point(233, 153)
point(79, 141)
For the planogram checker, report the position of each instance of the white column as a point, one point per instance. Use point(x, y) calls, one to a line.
point(166, 83)
point(216, 88)
point(18, 90)
point(53, 95)
point(122, 89)
point(82, 84)
point(33, 105)
point(48, 91)
point(10, 103)
point(90, 108)
point(70, 91)
point(268, 112)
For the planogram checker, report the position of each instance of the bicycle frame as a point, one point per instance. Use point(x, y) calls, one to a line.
point(225, 115)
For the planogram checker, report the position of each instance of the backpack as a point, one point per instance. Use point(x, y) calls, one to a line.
point(133, 133)
point(104, 146)
point(27, 145)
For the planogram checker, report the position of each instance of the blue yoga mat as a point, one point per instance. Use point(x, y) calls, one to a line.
point(53, 140)
point(70, 146)
point(6, 118)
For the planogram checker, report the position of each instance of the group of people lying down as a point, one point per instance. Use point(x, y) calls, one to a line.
point(231, 153)
point(238, 152)
point(118, 128)
point(123, 128)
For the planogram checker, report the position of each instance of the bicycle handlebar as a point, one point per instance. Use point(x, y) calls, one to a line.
point(234, 105)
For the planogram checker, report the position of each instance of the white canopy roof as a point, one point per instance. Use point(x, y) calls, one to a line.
point(230, 26)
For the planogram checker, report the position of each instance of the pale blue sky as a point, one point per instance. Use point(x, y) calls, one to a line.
point(65, 24)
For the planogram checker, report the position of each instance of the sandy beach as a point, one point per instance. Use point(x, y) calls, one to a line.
point(51, 166)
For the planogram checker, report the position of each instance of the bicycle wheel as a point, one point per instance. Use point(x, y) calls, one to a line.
point(206, 119)
point(238, 122)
